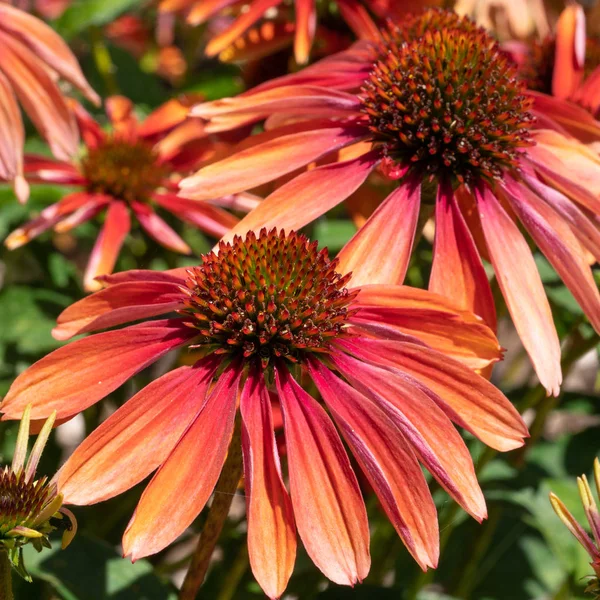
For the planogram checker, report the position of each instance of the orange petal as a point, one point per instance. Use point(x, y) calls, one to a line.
point(308, 196)
point(259, 164)
point(467, 399)
point(457, 271)
point(330, 512)
point(569, 58)
point(380, 251)
point(388, 462)
point(306, 22)
point(122, 118)
point(433, 437)
point(96, 366)
point(181, 487)
point(137, 438)
point(271, 529)
point(108, 244)
point(522, 288)
point(200, 11)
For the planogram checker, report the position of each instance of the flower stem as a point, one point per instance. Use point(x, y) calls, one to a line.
point(217, 515)
point(103, 61)
point(6, 592)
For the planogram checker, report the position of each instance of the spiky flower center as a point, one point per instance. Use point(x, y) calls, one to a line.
point(267, 297)
point(442, 99)
point(21, 501)
point(128, 170)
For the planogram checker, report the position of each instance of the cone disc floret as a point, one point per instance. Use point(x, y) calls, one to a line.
point(266, 297)
point(128, 170)
point(447, 102)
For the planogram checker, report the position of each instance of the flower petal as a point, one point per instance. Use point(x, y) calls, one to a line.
point(306, 23)
point(108, 244)
point(158, 230)
point(137, 438)
point(569, 57)
point(380, 251)
point(95, 365)
point(467, 399)
point(431, 434)
point(388, 461)
point(522, 288)
point(457, 271)
point(181, 487)
point(271, 529)
point(117, 304)
point(330, 512)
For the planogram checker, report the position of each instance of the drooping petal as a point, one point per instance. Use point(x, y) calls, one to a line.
point(468, 399)
point(431, 318)
point(457, 271)
point(137, 438)
point(181, 487)
point(522, 288)
point(560, 246)
point(117, 304)
point(308, 196)
point(330, 512)
point(108, 244)
point(388, 461)
point(158, 230)
point(306, 23)
point(433, 437)
point(76, 376)
point(265, 162)
point(380, 251)
point(271, 528)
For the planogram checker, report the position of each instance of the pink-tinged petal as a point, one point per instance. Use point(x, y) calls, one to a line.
point(468, 399)
point(359, 20)
point(265, 162)
point(410, 406)
point(560, 246)
point(12, 139)
point(91, 132)
point(137, 438)
point(380, 251)
point(96, 366)
point(569, 58)
point(582, 226)
point(47, 45)
point(388, 462)
point(431, 318)
point(158, 230)
point(329, 510)
point(244, 21)
point(271, 529)
point(457, 271)
point(208, 218)
point(588, 94)
point(181, 487)
point(40, 96)
point(522, 288)
point(306, 23)
point(82, 215)
point(178, 276)
point(108, 244)
point(118, 304)
point(41, 168)
point(308, 195)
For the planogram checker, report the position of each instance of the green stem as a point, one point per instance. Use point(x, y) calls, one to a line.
point(103, 61)
point(6, 592)
point(217, 515)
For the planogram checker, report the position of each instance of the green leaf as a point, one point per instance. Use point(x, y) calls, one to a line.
point(80, 15)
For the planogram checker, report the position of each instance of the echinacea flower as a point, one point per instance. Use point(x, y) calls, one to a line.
point(30, 509)
point(435, 100)
point(131, 169)
point(591, 545)
point(32, 59)
point(360, 15)
point(388, 361)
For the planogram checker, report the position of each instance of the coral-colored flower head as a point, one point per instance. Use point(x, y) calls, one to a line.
point(132, 169)
point(32, 59)
point(266, 313)
point(299, 25)
point(435, 100)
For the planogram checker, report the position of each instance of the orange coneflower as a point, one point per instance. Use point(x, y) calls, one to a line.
point(436, 99)
point(33, 57)
point(132, 169)
point(388, 361)
point(360, 15)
